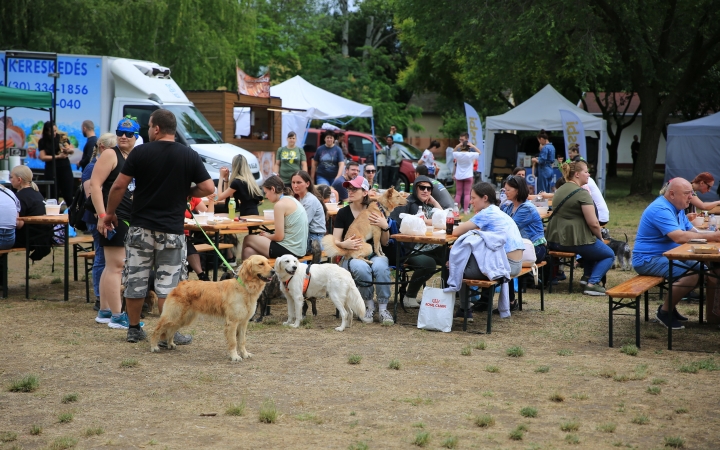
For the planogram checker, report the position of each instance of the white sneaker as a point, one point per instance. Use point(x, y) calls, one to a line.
point(386, 318)
point(410, 302)
point(368, 316)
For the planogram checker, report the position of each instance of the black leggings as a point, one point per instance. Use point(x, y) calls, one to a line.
point(65, 183)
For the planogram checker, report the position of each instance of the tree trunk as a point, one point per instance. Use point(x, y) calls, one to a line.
point(368, 36)
point(345, 28)
point(612, 148)
point(652, 123)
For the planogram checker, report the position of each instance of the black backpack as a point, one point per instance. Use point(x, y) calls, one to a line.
point(76, 210)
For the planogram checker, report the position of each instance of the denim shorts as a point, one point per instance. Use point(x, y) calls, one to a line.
point(659, 266)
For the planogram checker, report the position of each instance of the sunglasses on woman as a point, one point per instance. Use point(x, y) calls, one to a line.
point(424, 187)
point(370, 171)
point(127, 134)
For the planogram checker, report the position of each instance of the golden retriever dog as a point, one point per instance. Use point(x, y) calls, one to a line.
point(234, 300)
point(325, 279)
point(361, 227)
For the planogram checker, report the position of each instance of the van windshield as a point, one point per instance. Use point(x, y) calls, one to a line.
point(193, 126)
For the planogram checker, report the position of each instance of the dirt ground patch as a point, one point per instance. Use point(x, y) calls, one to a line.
point(583, 391)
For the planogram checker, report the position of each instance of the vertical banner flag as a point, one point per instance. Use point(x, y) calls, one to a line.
point(255, 87)
point(574, 132)
point(474, 127)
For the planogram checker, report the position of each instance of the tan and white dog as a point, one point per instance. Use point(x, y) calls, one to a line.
point(298, 282)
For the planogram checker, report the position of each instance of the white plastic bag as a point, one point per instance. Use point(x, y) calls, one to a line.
point(439, 217)
point(412, 225)
point(528, 257)
point(436, 310)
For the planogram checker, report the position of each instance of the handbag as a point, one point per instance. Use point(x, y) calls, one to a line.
point(436, 310)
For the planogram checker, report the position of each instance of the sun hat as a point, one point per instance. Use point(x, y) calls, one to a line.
point(357, 182)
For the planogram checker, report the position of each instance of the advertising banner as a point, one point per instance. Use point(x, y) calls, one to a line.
point(78, 99)
point(255, 87)
point(574, 132)
point(474, 127)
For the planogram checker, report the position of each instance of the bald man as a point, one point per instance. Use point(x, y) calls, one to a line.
point(664, 226)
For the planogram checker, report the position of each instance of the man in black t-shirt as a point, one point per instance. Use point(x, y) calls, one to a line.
point(163, 171)
point(88, 130)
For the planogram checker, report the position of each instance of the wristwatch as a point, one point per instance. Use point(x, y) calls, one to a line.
point(385, 229)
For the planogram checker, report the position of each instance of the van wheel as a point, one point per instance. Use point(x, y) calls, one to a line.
point(402, 179)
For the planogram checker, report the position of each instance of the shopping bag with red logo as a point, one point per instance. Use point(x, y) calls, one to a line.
point(436, 310)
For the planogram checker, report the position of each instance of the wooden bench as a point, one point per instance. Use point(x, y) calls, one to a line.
point(89, 258)
point(521, 284)
point(562, 256)
point(488, 287)
point(78, 247)
point(4, 268)
point(632, 289)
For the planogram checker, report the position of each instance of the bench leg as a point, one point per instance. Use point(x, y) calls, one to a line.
point(637, 321)
point(87, 280)
point(464, 303)
point(572, 270)
point(542, 290)
point(610, 321)
point(551, 268)
point(4, 274)
point(490, 308)
point(75, 269)
point(647, 302)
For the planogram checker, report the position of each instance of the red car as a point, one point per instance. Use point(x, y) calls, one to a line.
point(360, 148)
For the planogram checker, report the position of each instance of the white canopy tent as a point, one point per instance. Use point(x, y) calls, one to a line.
point(694, 147)
point(296, 93)
point(542, 112)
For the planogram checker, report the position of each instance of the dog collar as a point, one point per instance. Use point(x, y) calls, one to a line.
point(306, 281)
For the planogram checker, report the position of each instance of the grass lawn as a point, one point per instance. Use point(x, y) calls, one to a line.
point(541, 380)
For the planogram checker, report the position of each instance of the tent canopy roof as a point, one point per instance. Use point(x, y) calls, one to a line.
point(11, 97)
point(705, 126)
point(541, 112)
point(319, 104)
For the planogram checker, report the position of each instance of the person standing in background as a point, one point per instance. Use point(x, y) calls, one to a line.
point(544, 162)
point(289, 159)
point(397, 137)
point(88, 130)
point(392, 166)
point(428, 159)
point(634, 151)
point(380, 163)
point(49, 144)
point(328, 162)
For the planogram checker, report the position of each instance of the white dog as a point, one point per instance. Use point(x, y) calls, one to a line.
point(322, 278)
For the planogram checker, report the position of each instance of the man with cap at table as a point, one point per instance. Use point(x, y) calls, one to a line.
point(663, 227)
point(164, 171)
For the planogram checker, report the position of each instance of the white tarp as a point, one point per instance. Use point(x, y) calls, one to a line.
point(694, 147)
point(542, 112)
point(296, 93)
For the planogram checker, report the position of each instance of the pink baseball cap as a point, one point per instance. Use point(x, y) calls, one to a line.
point(357, 182)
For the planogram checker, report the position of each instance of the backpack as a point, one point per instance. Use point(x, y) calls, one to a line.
point(76, 210)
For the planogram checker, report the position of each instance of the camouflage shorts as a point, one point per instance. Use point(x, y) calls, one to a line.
point(145, 249)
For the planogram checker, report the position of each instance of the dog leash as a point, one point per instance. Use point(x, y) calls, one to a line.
point(212, 244)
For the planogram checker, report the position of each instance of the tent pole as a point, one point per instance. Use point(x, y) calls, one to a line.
point(372, 134)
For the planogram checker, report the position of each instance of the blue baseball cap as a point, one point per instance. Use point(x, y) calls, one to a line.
point(128, 123)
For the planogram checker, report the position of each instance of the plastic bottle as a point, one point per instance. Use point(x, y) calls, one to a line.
point(449, 222)
point(411, 188)
point(402, 186)
point(211, 202)
point(712, 224)
point(332, 198)
point(375, 186)
point(231, 208)
point(456, 214)
point(503, 196)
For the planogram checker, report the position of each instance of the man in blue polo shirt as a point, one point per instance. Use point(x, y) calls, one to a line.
point(664, 226)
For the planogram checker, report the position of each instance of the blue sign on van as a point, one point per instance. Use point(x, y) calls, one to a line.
point(78, 99)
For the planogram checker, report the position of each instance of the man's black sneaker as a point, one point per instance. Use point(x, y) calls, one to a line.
point(679, 316)
point(135, 335)
point(666, 320)
point(178, 339)
point(96, 307)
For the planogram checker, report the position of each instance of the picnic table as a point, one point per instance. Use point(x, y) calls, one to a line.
point(685, 253)
point(61, 219)
point(434, 239)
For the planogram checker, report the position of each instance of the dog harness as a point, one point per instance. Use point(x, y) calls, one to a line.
point(306, 281)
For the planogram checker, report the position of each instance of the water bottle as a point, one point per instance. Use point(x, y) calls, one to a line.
point(332, 197)
point(411, 188)
point(402, 186)
point(231, 208)
point(712, 224)
point(211, 202)
point(503, 196)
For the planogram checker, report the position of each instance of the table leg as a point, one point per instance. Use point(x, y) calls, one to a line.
point(610, 321)
point(670, 289)
point(702, 289)
point(637, 321)
point(27, 265)
point(215, 256)
point(67, 262)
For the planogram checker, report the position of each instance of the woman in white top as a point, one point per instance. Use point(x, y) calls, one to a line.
point(463, 173)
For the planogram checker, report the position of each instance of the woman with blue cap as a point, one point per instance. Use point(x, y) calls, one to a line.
point(107, 168)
